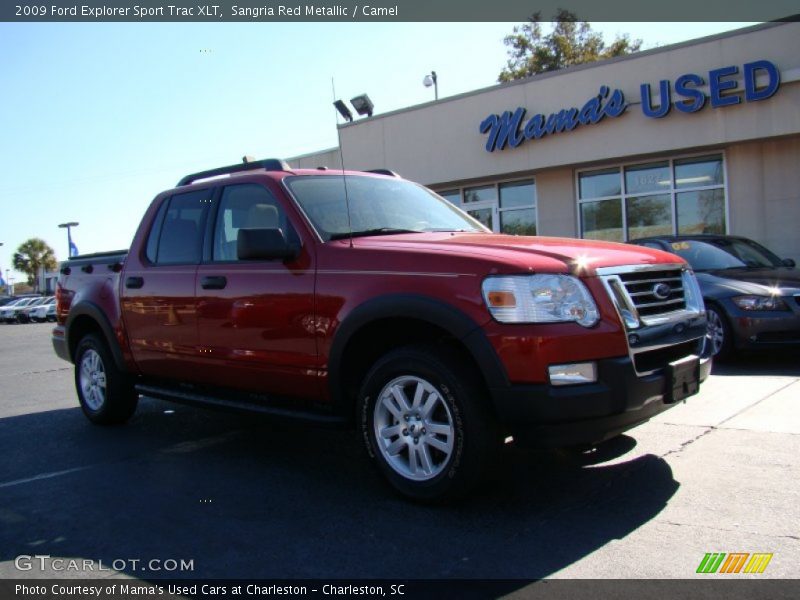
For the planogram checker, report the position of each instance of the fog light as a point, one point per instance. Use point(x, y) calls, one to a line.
point(573, 374)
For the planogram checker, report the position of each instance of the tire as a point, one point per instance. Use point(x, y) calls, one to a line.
point(106, 394)
point(426, 425)
point(720, 335)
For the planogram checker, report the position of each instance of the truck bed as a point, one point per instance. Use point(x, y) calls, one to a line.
point(94, 260)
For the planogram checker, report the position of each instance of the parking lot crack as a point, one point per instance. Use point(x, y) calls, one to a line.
point(710, 428)
point(24, 373)
point(683, 445)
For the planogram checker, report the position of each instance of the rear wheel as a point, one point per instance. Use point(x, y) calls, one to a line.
point(425, 424)
point(106, 394)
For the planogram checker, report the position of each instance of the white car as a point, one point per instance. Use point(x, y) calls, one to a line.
point(44, 312)
point(8, 313)
point(24, 314)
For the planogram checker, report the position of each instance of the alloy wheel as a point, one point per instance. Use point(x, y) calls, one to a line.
point(414, 429)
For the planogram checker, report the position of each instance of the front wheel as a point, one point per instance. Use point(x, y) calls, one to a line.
point(719, 333)
point(426, 425)
point(106, 394)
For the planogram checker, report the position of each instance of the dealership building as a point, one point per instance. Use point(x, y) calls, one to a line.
point(702, 136)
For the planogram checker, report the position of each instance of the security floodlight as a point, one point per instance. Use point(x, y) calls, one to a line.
point(363, 105)
point(343, 110)
point(431, 80)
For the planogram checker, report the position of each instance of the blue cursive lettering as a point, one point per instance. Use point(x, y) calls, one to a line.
point(507, 130)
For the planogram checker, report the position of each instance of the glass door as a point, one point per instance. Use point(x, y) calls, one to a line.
point(481, 203)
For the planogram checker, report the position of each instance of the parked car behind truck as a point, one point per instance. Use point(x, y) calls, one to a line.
point(365, 299)
point(25, 315)
point(44, 312)
point(752, 297)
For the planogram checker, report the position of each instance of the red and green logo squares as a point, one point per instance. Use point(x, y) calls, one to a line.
point(734, 562)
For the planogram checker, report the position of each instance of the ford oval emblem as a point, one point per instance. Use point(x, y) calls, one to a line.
point(662, 291)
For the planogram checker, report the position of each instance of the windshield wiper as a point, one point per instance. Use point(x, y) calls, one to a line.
point(368, 232)
point(748, 267)
point(449, 230)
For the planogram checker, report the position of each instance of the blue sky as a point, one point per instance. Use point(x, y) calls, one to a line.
point(98, 118)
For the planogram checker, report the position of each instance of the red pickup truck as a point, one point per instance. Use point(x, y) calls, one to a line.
point(365, 299)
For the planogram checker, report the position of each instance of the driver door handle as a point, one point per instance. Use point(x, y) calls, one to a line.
point(134, 283)
point(213, 282)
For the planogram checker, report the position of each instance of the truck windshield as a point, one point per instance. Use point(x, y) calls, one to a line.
point(378, 206)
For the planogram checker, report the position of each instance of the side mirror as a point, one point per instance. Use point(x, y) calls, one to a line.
point(263, 244)
point(788, 262)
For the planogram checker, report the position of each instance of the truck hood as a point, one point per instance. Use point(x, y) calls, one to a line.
point(550, 254)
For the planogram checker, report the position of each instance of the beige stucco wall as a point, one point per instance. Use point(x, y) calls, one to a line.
point(326, 158)
point(439, 143)
point(555, 201)
point(764, 193)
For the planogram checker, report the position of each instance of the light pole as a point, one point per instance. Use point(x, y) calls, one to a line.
point(68, 227)
point(432, 80)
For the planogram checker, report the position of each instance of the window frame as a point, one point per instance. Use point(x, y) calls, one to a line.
point(160, 218)
point(216, 209)
point(673, 191)
point(495, 204)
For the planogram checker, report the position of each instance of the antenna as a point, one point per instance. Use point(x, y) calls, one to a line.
point(341, 158)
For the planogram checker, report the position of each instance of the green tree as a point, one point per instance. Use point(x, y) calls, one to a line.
point(31, 256)
point(571, 42)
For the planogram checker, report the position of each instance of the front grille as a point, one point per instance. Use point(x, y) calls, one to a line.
point(647, 291)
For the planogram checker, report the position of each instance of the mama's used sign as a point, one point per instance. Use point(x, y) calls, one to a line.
point(512, 128)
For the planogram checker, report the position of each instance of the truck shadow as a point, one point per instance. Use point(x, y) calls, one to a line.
point(247, 499)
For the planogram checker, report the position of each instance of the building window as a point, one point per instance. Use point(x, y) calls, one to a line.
point(452, 196)
point(684, 195)
point(481, 203)
point(508, 207)
point(518, 208)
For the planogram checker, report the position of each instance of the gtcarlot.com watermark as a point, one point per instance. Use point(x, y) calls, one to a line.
point(49, 564)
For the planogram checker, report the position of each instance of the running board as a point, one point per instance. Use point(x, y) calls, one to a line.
point(212, 401)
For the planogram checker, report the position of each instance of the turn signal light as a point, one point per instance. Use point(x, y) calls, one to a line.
point(501, 299)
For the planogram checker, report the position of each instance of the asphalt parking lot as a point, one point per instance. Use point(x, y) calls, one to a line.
point(242, 498)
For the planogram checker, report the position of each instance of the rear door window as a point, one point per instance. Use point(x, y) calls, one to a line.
point(179, 228)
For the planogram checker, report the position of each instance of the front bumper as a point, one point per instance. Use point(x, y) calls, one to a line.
point(546, 415)
point(764, 329)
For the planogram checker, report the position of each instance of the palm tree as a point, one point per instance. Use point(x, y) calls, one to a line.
point(31, 256)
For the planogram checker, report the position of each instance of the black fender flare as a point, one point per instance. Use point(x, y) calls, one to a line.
point(421, 308)
point(89, 309)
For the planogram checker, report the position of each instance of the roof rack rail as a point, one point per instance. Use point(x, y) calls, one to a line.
point(269, 164)
point(383, 172)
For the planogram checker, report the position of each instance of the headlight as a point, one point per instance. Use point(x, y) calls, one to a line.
point(759, 303)
point(539, 299)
